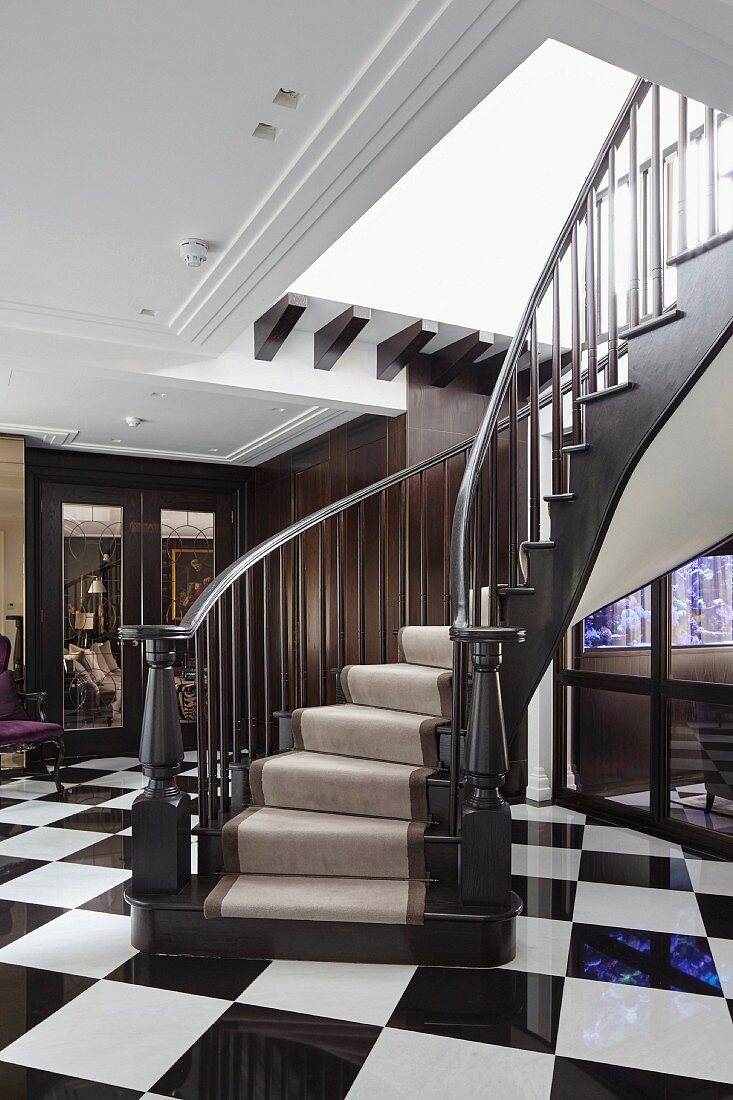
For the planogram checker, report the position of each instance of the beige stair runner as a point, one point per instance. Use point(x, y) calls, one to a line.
point(336, 828)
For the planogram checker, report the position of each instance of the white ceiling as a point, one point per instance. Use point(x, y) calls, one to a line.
point(126, 127)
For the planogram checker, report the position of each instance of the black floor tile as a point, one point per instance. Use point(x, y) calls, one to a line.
point(717, 915)
point(29, 995)
point(97, 819)
point(596, 1081)
point(17, 918)
point(111, 901)
point(7, 830)
point(545, 897)
point(502, 1007)
point(73, 776)
point(224, 978)
point(555, 834)
point(622, 869)
point(258, 1052)
point(658, 960)
point(20, 1083)
point(10, 867)
point(113, 851)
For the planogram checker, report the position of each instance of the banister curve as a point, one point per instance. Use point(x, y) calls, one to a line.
point(482, 439)
point(208, 599)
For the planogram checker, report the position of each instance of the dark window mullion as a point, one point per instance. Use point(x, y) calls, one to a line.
point(659, 709)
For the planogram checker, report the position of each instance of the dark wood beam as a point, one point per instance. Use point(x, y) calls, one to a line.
point(331, 341)
point(452, 360)
point(273, 328)
point(396, 352)
point(489, 370)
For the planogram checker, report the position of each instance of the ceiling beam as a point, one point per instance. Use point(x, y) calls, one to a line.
point(490, 368)
point(452, 360)
point(273, 328)
point(396, 352)
point(331, 341)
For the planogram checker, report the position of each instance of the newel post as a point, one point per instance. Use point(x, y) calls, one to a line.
point(161, 814)
point(486, 833)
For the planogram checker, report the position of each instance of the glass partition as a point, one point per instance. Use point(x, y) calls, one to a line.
point(92, 603)
point(12, 550)
point(186, 560)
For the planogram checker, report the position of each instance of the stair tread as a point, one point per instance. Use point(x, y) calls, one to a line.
point(418, 689)
point(360, 731)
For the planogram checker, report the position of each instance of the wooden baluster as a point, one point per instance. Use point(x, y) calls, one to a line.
point(632, 309)
point(472, 563)
point(576, 348)
point(212, 716)
point(382, 582)
point(322, 670)
point(249, 671)
point(493, 564)
point(612, 367)
point(534, 434)
point(557, 462)
point(266, 654)
point(682, 137)
point(423, 551)
point(655, 213)
point(302, 627)
point(591, 317)
point(402, 558)
point(202, 736)
point(283, 643)
point(711, 173)
point(340, 649)
point(222, 680)
point(360, 594)
point(446, 542)
point(513, 488)
point(239, 771)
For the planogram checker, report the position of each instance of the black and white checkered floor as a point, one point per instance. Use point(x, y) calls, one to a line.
point(622, 985)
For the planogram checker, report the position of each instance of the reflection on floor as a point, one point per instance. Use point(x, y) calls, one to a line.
point(622, 985)
point(687, 803)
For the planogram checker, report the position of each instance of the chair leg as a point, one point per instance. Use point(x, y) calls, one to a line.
point(57, 766)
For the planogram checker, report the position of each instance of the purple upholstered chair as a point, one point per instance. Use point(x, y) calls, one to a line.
point(18, 731)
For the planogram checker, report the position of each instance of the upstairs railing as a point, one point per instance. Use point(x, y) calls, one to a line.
point(335, 587)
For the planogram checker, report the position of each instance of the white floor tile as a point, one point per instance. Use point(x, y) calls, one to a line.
point(638, 907)
point(119, 779)
point(683, 1033)
point(722, 951)
point(78, 942)
point(27, 788)
point(544, 862)
point(121, 801)
point(365, 993)
point(191, 756)
point(606, 838)
point(542, 946)
point(64, 884)
point(403, 1065)
point(49, 843)
point(108, 763)
point(711, 876)
point(124, 1035)
point(39, 813)
point(523, 812)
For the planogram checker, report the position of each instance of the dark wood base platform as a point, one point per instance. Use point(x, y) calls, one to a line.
point(452, 935)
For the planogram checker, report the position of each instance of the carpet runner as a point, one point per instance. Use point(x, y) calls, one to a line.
point(336, 827)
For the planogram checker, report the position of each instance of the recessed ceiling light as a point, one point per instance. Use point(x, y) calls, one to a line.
point(157, 393)
point(115, 440)
point(286, 97)
point(213, 450)
point(148, 313)
point(278, 410)
point(266, 132)
point(133, 421)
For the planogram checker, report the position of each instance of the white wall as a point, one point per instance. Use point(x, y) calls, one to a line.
point(12, 565)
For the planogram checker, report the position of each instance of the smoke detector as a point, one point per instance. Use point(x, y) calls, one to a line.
point(133, 421)
point(193, 251)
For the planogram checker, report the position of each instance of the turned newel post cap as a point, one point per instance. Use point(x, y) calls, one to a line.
point(160, 652)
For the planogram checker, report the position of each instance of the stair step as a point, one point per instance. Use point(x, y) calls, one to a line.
point(419, 689)
point(370, 732)
point(429, 646)
point(652, 323)
point(542, 544)
point(576, 448)
point(555, 498)
point(340, 784)
point(610, 391)
point(515, 590)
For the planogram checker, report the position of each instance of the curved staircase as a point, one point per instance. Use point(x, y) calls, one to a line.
point(383, 834)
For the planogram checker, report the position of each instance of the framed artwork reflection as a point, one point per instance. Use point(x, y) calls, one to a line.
point(192, 570)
